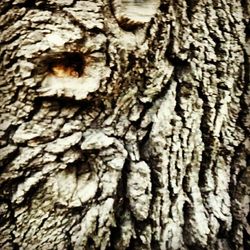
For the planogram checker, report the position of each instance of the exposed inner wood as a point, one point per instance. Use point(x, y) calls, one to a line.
point(130, 13)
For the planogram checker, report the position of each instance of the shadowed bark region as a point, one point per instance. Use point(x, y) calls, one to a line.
point(124, 124)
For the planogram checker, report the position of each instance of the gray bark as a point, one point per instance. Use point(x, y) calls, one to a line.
point(124, 124)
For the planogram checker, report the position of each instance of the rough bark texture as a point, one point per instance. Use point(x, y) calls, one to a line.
point(124, 124)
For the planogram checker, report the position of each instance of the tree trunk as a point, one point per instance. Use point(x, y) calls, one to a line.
point(124, 124)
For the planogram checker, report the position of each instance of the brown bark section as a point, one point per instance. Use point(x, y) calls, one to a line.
point(124, 139)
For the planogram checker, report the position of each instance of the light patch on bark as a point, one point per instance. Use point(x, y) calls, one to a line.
point(135, 11)
point(139, 190)
point(63, 144)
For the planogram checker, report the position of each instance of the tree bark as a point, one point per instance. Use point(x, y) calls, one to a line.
point(124, 124)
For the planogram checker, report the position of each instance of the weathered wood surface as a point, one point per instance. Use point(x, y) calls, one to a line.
point(122, 128)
